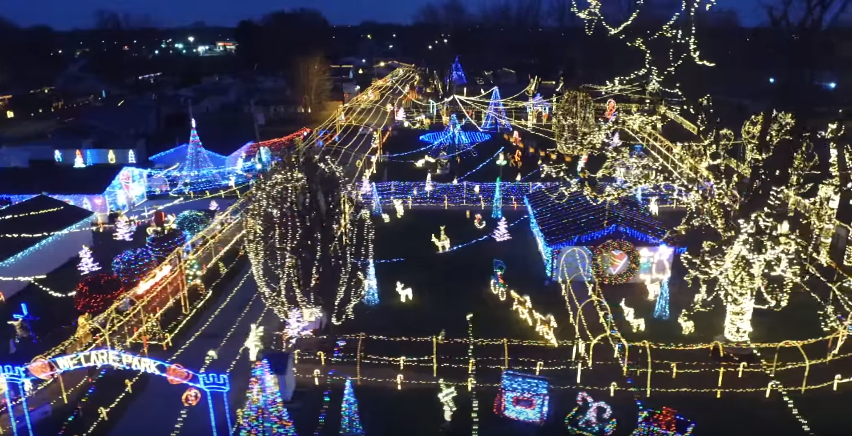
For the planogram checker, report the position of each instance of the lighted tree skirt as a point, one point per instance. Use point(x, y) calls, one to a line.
point(307, 234)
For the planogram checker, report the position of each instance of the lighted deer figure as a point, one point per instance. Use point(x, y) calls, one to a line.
point(443, 243)
point(638, 324)
point(404, 292)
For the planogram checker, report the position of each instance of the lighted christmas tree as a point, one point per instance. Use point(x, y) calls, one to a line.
point(457, 74)
point(264, 412)
point(123, 230)
point(495, 116)
point(213, 205)
point(197, 166)
point(377, 202)
point(87, 264)
point(371, 289)
point(497, 204)
point(501, 233)
point(350, 420)
point(78, 160)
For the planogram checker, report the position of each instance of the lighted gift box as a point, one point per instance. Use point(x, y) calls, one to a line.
point(523, 397)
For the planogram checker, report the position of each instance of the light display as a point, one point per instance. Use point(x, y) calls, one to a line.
point(501, 233)
point(197, 167)
point(78, 160)
point(131, 156)
point(456, 76)
point(661, 309)
point(125, 192)
point(254, 342)
point(298, 324)
point(191, 222)
point(446, 393)
point(665, 422)
point(478, 222)
point(96, 293)
point(264, 412)
point(162, 244)
point(123, 229)
point(590, 417)
point(288, 216)
point(87, 264)
point(495, 116)
point(132, 265)
point(213, 205)
point(615, 262)
point(453, 139)
point(350, 420)
point(57, 156)
point(371, 291)
point(497, 204)
point(523, 397)
point(637, 324)
point(404, 293)
point(377, 201)
point(443, 242)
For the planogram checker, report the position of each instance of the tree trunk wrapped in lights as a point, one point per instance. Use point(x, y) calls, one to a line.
point(307, 236)
point(757, 261)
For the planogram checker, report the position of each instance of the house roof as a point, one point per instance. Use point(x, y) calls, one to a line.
point(221, 133)
point(59, 216)
point(57, 179)
point(573, 219)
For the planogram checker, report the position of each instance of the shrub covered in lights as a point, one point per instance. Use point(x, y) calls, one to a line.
point(523, 397)
point(191, 222)
point(95, 293)
point(162, 245)
point(132, 265)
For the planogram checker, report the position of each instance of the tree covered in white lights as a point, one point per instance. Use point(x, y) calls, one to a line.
point(501, 233)
point(123, 229)
point(87, 264)
point(307, 233)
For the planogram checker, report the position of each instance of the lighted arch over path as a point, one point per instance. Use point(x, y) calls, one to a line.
point(45, 369)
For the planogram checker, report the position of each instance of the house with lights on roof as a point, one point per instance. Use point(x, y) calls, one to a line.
point(582, 238)
point(99, 188)
point(39, 235)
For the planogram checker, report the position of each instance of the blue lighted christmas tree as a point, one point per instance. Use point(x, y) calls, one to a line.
point(377, 201)
point(457, 74)
point(495, 116)
point(350, 420)
point(661, 310)
point(264, 412)
point(497, 204)
point(371, 294)
point(197, 166)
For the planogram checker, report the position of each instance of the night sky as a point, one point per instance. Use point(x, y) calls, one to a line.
point(79, 13)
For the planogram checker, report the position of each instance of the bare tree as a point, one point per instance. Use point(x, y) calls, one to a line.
point(312, 82)
point(450, 13)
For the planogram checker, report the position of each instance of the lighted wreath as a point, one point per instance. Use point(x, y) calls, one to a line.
point(615, 262)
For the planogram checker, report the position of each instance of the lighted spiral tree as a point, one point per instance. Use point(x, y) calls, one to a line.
point(306, 237)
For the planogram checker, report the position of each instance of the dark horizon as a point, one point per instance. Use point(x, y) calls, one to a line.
point(220, 13)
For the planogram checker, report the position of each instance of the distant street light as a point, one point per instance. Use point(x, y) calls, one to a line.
point(191, 39)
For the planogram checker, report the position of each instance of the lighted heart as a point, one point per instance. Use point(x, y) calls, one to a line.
point(617, 260)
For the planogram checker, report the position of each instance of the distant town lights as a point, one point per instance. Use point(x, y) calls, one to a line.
point(191, 39)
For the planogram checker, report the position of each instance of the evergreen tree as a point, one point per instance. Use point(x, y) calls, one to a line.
point(501, 233)
point(350, 420)
point(123, 230)
point(495, 116)
point(497, 204)
point(87, 264)
point(371, 294)
point(264, 412)
point(457, 74)
point(197, 166)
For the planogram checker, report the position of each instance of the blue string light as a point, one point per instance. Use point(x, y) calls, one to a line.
point(495, 116)
point(481, 165)
point(661, 309)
